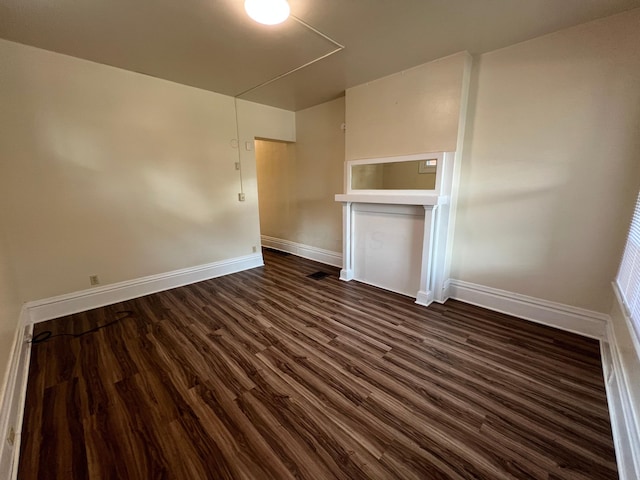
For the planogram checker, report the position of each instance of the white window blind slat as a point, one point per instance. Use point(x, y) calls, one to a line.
point(628, 278)
point(624, 273)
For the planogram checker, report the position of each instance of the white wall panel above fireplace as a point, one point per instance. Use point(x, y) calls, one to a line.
point(388, 246)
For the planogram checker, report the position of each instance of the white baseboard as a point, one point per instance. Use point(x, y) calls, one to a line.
point(62, 305)
point(565, 317)
point(620, 364)
point(12, 398)
point(424, 298)
point(446, 291)
point(622, 411)
point(305, 251)
point(346, 275)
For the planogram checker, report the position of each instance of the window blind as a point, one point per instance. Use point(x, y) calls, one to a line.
point(628, 278)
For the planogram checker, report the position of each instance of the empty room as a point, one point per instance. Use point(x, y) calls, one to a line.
point(304, 239)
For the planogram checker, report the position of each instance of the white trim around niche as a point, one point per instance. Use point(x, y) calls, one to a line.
point(565, 317)
point(13, 396)
point(320, 255)
point(54, 307)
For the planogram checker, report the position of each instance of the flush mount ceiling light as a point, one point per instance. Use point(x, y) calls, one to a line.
point(267, 12)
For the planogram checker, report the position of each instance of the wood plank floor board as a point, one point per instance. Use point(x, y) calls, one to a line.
point(495, 398)
point(270, 374)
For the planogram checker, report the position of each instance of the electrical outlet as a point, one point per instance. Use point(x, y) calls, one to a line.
point(254, 248)
point(11, 438)
point(241, 197)
point(237, 165)
point(94, 280)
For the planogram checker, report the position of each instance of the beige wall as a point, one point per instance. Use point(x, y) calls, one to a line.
point(118, 174)
point(410, 112)
point(552, 158)
point(262, 121)
point(298, 181)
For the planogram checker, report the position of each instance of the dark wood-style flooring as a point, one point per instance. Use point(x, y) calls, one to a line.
point(269, 374)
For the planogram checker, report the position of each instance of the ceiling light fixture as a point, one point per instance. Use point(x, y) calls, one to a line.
point(267, 12)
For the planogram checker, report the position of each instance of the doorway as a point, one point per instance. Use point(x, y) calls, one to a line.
point(275, 172)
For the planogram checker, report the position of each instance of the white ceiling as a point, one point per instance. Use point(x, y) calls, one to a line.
point(212, 44)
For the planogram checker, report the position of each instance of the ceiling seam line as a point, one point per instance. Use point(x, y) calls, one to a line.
point(339, 47)
point(282, 75)
point(315, 30)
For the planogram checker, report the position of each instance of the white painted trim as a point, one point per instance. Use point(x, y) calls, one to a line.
point(446, 291)
point(346, 275)
point(430, 259)
point(565, 317)
point(623, 413)
point(424, 298)
point(13, 396)
point(633, 333)
point(305, 251)
point(455, 178)
point(390, 198)
point(620, 361)
point(62, 305)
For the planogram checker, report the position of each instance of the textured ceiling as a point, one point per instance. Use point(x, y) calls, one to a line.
point(212, 44)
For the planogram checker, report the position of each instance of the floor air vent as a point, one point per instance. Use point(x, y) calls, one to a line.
point(277, 252)
point(318, 275)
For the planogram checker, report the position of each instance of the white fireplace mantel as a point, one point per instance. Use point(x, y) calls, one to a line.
point(376, 205)
point(393, 198)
